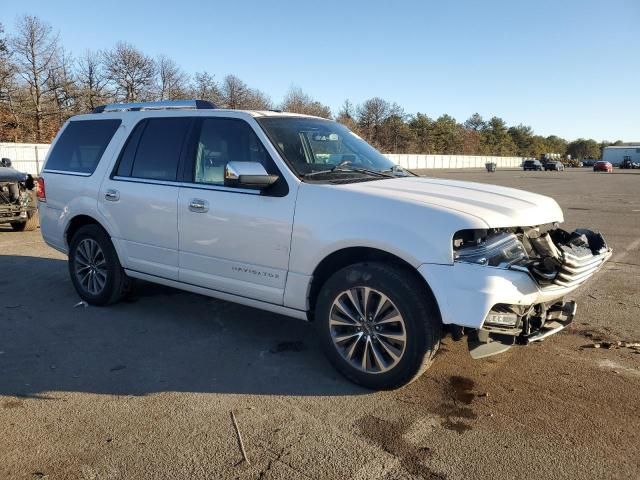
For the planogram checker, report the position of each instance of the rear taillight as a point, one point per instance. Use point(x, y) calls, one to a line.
point(40, 191)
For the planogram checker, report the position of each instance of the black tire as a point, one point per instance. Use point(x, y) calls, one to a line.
point(32, 222)
point(117, 283)
point(417, 308)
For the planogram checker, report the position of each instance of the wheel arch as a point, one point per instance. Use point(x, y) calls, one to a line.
point(351, 255)
point(77, 222)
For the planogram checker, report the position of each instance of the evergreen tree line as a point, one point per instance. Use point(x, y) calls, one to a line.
point(42, 84)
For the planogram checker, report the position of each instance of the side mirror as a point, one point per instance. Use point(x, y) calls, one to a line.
point(247, 175)
point(5, 162)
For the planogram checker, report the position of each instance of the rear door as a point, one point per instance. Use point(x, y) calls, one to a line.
point(233, 240)
point(140, 197)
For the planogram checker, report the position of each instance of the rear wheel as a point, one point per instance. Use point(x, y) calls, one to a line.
point(377, 325)
point(94, 267)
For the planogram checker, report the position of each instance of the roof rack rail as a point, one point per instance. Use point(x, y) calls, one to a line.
point(163, 105)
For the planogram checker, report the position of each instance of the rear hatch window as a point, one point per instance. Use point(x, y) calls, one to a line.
point(81, 146)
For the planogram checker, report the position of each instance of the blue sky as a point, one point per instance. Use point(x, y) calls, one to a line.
point(570, 68)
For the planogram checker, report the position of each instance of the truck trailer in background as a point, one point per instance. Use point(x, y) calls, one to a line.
point(617, 154)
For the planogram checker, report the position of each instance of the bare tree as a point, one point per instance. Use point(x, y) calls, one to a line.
point(347, 115)
point(130, 71)
point(91, 79)
point(234, 92)
point(62, 86)
point(205, 88)
point(371, 116)
point(34, 49)
point(296, 101)
point(172, 81)
point(9, 121)
point(257, 100)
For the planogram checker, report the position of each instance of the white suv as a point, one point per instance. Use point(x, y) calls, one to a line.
point(298, 215)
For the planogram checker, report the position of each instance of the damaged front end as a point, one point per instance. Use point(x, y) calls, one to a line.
point(17, 199)
point(556, 260)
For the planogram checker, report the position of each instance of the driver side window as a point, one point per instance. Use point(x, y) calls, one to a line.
point(224, 140)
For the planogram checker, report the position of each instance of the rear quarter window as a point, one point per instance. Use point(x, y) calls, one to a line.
point(81, 145)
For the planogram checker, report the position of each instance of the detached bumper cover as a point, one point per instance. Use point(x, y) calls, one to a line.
point(557, 319)
point(465, 293)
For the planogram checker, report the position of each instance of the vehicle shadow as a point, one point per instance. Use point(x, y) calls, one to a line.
point(161, 339)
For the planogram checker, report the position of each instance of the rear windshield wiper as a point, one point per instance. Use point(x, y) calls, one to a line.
point(344, 169)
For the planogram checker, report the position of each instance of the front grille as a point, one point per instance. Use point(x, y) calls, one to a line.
point(576, 269)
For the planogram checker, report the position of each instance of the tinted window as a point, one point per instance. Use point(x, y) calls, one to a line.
point(224, 140)
point(158, 151)
point(125, 162)
point(81, 145)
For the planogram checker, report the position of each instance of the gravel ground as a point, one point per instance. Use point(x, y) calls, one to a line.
point(144, 389)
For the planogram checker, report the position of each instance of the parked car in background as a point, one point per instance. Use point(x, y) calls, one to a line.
point(18, 206)
point(602, 166)
point(572, 162)
point(532, 165)
point(627, 163)
point(588, 162)
point(296, 215)
point(554, 165)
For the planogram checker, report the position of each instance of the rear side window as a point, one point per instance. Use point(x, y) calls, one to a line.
point(157, 151)
point(81, 145)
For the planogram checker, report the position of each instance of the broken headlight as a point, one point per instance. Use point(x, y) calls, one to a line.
point(497, 250)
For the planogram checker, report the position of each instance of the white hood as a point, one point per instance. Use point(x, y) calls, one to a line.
point(496, 206)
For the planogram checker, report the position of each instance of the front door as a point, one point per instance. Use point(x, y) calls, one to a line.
point(233, 240)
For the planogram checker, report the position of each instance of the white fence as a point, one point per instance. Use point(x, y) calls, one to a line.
point(28, 158)
point(413, 162)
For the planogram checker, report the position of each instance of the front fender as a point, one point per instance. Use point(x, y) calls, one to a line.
point(328, 219)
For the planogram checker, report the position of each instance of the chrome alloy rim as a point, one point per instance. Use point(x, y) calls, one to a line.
point(90, 266)
point(367, 329)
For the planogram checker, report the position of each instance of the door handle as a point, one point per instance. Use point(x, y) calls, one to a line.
point(112, 195)
point(199, 206)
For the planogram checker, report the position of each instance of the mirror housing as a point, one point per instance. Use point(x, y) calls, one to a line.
point(248, 175)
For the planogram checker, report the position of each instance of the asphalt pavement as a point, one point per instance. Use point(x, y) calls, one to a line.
point(145, 388)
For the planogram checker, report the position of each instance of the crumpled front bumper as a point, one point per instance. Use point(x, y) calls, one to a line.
point(466, 293)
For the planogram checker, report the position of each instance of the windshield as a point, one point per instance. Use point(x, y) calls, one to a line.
point(314, 145)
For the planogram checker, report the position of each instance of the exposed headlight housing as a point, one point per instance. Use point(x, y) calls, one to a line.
point(501, 249)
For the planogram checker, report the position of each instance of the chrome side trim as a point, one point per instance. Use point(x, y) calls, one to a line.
point(67, 172)
point(197, 186)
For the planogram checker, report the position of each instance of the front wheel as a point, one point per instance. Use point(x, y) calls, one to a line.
point(377, 324)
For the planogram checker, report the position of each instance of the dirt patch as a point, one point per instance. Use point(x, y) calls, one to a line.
point(390, 437)
point(12, 404)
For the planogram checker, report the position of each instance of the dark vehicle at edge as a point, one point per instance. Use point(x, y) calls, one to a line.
point(627, 163)
point(534, 165)
point(554, 165)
